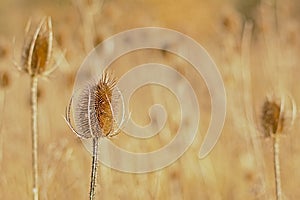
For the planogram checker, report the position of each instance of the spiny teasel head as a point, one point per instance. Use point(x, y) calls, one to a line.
point(96, 109)
point(37, 49)
point(275, 116)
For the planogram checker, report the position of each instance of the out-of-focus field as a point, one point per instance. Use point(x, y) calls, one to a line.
point(239, 167)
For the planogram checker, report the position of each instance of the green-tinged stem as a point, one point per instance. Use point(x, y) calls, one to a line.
point(94, 168)
point(277, 167)
point(33, 100)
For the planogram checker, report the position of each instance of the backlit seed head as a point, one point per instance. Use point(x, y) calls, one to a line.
point(277, 115)
point(37, 49)
point(96, 108)
point(103, 94)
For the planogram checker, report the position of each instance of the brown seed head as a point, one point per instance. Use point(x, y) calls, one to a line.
point(96, 108)
point(3, 50)
point(4, 80)
point(103, 103)
point(272, 119)
point(37, 49)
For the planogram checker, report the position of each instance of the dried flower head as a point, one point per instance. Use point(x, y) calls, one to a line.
point(95, 112)
point(275, 115)
point(3, 49)
point(272, 118)
point(37, 49)
point(4, 80)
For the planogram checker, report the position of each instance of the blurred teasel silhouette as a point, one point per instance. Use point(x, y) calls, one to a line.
point(277, 116)
point(35, 60)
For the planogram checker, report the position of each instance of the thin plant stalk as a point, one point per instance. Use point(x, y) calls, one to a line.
point(158, 185)
point(94, 168)
point(276, 163)
point(34, 132)
point(1, 125)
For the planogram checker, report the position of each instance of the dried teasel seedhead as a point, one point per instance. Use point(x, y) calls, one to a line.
point(275, 116)
point(272, 118)
point(3, 49)
point(96, 109)
point(4, 80)
point(37, 49)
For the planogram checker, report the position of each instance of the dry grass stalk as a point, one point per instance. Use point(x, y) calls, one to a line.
point(95, 117)
point(35, 59)
point(273, 122)
point(88, 9)
point(4, 84)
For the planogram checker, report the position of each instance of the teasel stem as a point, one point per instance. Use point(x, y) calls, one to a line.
point(276, 163)
point(94, 168)
point(34, 132)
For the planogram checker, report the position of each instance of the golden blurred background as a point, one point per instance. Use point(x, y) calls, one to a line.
point(255, 45)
